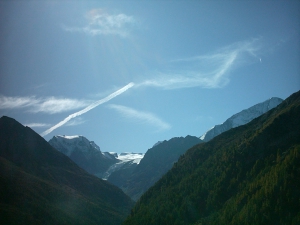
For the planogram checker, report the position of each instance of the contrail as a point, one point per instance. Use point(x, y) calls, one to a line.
point(88, 108)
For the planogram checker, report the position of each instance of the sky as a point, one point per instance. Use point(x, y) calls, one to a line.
point(127, 74)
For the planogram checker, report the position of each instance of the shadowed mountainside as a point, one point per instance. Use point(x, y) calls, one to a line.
point(40, 185)
point(247, 175)
point(156, 162)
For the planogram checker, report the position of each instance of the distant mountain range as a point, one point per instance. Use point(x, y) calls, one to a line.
point(247, 175)
point(87, 155)
point(241, 118)
point(134, 173)
point(135, 177)
point(40, 185)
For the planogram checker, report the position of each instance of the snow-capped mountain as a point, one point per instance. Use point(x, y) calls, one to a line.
point(242, 118)
point(127, 160)
point(85, 153)
point(69, 144)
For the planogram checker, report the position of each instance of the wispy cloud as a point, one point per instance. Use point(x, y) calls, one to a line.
point(142, 117)
point(37, 125)
point(99, 22)
point(17, 102)
point(50, 105)
point(75, 122)
point(206, 71)
point(88, 108)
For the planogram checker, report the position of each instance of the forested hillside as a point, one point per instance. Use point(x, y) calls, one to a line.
point(247, 175)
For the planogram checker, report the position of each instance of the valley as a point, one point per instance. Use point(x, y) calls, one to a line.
point(214, 182)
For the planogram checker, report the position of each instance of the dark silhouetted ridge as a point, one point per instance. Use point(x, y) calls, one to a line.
point(40, 185)
point(156, 162)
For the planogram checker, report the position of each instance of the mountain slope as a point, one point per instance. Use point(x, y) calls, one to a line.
point(156, 162)
point(84, 153)
point(40, 185)
point(247, 175)
point(241, 118)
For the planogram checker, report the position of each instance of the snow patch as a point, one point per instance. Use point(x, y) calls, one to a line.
point(68, 144)
point(134, 157)
point(69, 137)
point(241, 118)
point(125, 158)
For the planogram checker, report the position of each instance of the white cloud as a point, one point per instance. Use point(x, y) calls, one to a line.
point(55, 105)
point(100, 22)
point(206, 71)
point(88, 108)
point(37, 125)
point(75, 122)
point(17, 102)
point(143, 117)
point(50, 105)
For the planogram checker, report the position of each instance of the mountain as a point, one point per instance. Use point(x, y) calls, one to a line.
point(128, 161)
point(84, 153)
point(157, 143)
point(241, 118)
point(247, 175)
point(87, 155)
point(156, 162)
point(40, 185)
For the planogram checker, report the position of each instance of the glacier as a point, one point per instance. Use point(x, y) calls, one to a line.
point(87, 154)
point(126, 159)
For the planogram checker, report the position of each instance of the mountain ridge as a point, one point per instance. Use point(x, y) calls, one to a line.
point(40, 185)
point(85, 153)
point(156, 162)
point(241, 118)
point(247, 175)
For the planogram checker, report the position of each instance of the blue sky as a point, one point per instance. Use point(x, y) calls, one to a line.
point(127, 74)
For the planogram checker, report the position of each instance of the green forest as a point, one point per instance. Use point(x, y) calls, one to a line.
point(248, 175)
